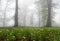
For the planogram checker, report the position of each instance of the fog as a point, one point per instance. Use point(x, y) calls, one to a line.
point(27, 9)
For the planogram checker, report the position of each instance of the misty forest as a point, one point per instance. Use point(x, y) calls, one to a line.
point(29, 20)
point(34, 13)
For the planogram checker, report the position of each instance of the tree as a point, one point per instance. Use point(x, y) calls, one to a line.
point(31, 19)
point(16, 14)
point(38, 8)
point(49, 3)
point(44, 10)
point(4, 20)
point(24, 15)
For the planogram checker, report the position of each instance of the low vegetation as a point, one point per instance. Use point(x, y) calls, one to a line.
point(29, 34)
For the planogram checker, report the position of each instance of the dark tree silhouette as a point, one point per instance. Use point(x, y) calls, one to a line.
point(49, 2)
point(16, 14)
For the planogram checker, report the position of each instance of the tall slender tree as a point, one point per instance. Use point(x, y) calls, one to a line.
point(49, 22)
point(25, 14)
point(4, 20)
point(0, 12)
point(16, 14)
point(44, 11)
point(38, 8)
point(31, 20)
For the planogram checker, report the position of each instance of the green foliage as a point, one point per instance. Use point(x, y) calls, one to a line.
point(29, 34)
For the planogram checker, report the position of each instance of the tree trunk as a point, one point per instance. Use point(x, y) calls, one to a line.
point(4, 20)
point(49, 13)
point(31, 21)
point(16, 14)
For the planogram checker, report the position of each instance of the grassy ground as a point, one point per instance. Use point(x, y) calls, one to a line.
point(30, 34)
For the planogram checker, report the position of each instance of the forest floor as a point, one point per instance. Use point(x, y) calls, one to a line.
point(29, 33)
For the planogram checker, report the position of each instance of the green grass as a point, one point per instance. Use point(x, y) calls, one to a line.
point(30, 34)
